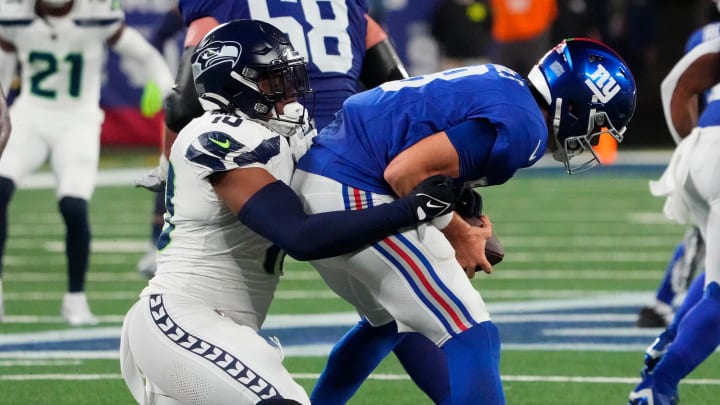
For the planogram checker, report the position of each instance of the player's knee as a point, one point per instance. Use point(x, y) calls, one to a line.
point(278, 401)
point(73, 209)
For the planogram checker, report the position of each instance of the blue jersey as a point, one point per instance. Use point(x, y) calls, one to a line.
point(329, 34)
point(376, 125)
point(710, 103)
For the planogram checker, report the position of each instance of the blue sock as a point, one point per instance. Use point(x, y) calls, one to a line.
point(351, 361)
point(698, 336)
point(694, 294)
point(474, 366)
point(426, 364)
point(665, 292)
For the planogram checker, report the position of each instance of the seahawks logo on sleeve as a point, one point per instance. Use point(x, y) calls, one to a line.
point(218, 151)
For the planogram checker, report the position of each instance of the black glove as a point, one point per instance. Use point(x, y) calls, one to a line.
point(433, 197)
point(469, 204)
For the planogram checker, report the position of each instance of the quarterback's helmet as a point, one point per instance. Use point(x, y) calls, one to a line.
point(589, 91)
point(248, 65)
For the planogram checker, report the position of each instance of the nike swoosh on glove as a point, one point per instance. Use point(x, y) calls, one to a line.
point(433, 197)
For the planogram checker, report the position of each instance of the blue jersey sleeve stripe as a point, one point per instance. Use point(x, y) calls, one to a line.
point(211, 162)
point(262, 154)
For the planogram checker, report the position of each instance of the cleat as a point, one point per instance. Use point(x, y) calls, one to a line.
point(654, 353)
point(646, 396)
point(656, 316)
point(147, 265)
point(76, 311)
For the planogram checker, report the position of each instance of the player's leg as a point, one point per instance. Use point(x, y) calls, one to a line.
point(660, 313)
point(147, 264)
point(191, 353)
point(351, 361)
point(18, 160)
point(74, 160)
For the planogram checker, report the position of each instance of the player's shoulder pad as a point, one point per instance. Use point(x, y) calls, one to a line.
point(16, 12)
point(94, 13)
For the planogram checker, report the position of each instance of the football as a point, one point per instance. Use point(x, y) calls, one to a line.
point(493, 249)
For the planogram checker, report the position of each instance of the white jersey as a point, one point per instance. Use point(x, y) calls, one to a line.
point(204, 250)
point(62, 58)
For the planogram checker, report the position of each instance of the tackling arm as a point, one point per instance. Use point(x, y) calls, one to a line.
point(694, 73)
point(273, 210)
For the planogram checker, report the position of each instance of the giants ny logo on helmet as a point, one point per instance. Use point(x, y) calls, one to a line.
point(602, 84)
point(215, 53)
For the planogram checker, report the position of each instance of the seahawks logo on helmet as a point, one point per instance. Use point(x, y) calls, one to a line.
point(215, 53)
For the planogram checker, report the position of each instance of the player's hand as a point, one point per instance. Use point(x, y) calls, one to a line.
point(469, 244)
point(151, 101)
point(433, 197)
point(155, 179)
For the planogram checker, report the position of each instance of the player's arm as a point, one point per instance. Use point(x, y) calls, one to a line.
point(273, 210)
point(381, 63)
point(129, 43)
point(443, 153)
point(693, 74)
point(182, 104)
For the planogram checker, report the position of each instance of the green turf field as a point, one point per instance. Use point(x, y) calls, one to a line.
point(576, 250)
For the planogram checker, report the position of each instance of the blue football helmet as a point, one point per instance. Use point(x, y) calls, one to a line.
point(589, 90)
point(248, 66)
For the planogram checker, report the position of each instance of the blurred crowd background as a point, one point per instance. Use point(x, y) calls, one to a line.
point(432, 35)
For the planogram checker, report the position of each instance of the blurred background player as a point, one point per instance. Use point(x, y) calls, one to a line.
point(231, 216)
point(384, 141)
point(462, 31)
point(690, 252)
point(5, 128)
point(342, 44)
point(59, 45)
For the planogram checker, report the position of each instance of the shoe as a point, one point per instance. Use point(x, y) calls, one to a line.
point(655, 316)
point(147, 265)
point(75, 310)
point(654, 353)
point(646, 396)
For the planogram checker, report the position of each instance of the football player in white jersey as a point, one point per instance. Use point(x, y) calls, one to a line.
point(230, 216)
point(60, 46)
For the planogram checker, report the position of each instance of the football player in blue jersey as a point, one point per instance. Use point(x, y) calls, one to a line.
point(689, 254)
point(691, 189)
point(5, 125)
point(479, 125)
point(60, 47)
point(230, 216)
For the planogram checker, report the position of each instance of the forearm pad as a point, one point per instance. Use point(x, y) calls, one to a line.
point(381, 64)
point(276, 213)
point(182, 105)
